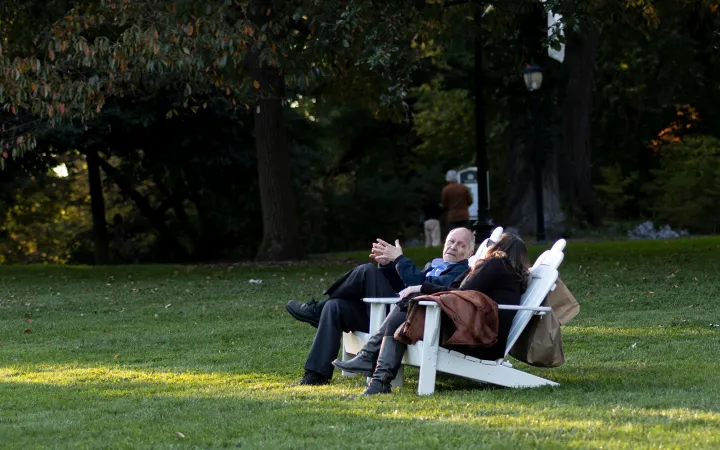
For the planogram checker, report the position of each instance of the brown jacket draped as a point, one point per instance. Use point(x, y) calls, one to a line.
point(469, 318)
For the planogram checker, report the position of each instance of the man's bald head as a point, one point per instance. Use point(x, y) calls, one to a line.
point(458, 245)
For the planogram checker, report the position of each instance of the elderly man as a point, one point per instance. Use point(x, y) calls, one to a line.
point(344, 310)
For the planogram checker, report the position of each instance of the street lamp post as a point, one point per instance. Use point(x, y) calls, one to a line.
point(533, 77)
point(483, 223)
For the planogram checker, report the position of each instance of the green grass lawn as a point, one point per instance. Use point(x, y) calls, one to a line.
point(180, 356)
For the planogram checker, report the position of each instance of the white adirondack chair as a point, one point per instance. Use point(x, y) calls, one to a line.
point(431, 358)
point(377, 311)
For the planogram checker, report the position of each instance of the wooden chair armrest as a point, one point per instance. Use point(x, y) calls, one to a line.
point(428, 303)
point(382, 300)
point(525, 308)
point(539, 310)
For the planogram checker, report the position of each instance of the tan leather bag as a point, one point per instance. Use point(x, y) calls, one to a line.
point(540, 344)
point(562, 302)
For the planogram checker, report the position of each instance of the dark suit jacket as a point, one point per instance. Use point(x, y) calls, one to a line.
point(411, 275)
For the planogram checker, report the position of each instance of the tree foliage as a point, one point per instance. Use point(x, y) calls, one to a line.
point(95, 52)
point(686, 190)
point(223, 121)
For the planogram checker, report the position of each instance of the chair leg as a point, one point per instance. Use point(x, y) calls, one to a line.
point(431, 344)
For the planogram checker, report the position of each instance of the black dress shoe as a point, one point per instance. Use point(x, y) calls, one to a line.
point(306, 312)
point(313, 379)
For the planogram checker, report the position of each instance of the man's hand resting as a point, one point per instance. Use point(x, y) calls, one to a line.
point(385, 253)
point(409, 291)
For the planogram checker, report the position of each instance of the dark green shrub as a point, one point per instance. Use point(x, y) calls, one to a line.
point(686, 190)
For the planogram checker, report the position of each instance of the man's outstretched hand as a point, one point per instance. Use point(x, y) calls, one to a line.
point(385, 253)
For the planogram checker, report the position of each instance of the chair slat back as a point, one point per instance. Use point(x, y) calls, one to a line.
point(543, 275)
point(482, 249)
point(553, 257)
point(542, 280)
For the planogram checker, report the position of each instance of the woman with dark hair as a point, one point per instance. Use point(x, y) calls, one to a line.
point(502, 275)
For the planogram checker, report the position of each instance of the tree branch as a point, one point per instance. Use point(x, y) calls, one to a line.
point(452, 3)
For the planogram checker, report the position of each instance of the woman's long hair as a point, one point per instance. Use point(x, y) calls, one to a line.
point(515, 252)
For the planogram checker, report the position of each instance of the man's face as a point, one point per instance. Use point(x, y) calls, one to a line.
point(457, 245)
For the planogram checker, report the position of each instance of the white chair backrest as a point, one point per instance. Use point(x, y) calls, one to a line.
point(543, 276)
point(542, 280)
point(482, 248)
point(553, 257)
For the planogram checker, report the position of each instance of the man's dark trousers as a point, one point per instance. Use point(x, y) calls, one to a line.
point(345, 311)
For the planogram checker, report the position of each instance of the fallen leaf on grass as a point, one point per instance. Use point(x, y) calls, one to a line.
point(116, 356)
point(276, 308)
point(28, 320)
point(105, 330)
point(180, 434)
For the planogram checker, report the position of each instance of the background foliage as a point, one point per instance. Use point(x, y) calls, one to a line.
point(377, 105)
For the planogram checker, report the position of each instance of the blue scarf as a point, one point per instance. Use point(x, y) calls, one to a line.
point(438, 267)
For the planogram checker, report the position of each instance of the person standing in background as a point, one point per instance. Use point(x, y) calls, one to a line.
point(456, 199)
point(431, 214)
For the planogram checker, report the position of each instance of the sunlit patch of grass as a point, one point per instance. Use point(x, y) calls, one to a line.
point(165, 356)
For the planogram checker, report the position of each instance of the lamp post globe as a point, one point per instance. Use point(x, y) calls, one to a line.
point(533, 77)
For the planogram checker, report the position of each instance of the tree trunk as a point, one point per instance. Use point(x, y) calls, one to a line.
point(156, 219)
point(277, 200)
point(97, 206)
point(576, 154)
point(520, 211)
point(280, 223)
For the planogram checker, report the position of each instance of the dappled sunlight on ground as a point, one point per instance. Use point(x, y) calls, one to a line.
point(540, 413)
